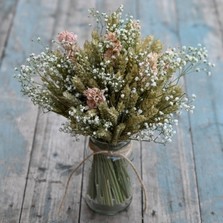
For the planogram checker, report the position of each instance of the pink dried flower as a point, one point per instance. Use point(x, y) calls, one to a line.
point(94, 96)
point(115, 48)
point(68, 41)
point(153, 59)
point(66, 36)
point(111, 37)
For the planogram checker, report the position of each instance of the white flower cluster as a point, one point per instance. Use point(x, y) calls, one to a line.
point(160, 132)
point(186, 60)
point(108, 79)
point(50, 69)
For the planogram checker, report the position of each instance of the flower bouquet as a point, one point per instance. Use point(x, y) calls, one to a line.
point(115, 88)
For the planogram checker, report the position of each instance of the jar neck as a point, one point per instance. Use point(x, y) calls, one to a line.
point(107, 146)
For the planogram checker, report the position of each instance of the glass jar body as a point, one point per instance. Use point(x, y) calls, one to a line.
point(109, 187)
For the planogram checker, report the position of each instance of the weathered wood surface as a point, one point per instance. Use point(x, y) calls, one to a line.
point(184, 180)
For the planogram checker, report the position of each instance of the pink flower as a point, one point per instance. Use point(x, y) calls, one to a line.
point(94, 96)
point(115, 48)
point(66, 36)
point(68, 41)
point(153, 59)
point(111, 37)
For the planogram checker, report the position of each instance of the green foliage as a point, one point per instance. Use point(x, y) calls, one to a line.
point(109, 114)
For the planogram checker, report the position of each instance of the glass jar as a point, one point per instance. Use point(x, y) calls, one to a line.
point(109, 187)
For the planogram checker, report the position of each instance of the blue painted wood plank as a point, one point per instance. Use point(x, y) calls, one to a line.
point(218, 58)
point(159, 18)
point(17, 115)
point(201, 25)
point(53, 155)
point(7, 11)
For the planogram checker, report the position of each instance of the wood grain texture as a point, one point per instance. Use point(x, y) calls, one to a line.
point(7, 12)
point(201, 24)
point(53, 156)
point(17, 117)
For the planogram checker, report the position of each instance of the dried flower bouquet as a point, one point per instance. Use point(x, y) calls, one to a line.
point(118, 86)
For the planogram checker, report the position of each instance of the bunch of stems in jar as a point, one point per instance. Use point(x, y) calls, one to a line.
point(109, 180)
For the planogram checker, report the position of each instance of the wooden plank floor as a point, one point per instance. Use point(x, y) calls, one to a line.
point(184, 180)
